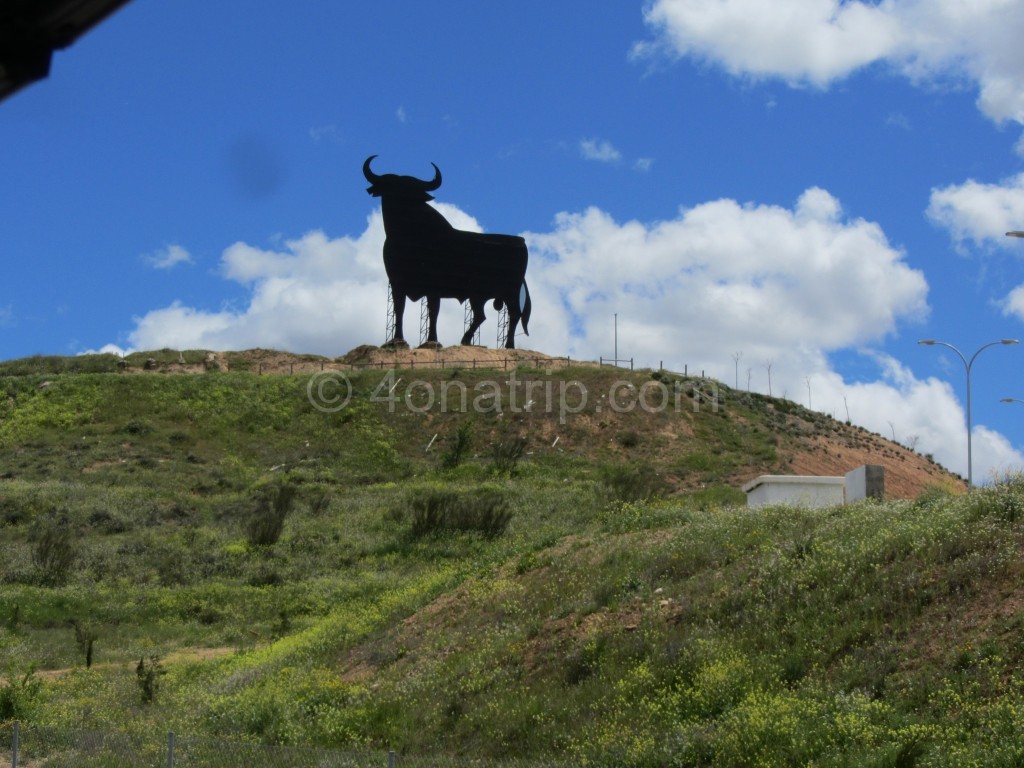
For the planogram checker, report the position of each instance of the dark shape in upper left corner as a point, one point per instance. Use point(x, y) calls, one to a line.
point(31, 30)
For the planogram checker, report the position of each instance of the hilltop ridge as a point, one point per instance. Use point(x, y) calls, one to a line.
point(727, 440)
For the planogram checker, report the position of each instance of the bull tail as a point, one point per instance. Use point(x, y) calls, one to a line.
point(524, 306)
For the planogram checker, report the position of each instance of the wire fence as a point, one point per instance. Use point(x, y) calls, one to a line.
point(112, 364)
point(412, 363)
point(30, 746)
point(109, 364)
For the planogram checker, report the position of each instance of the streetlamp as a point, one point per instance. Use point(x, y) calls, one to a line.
point(1015, 233)
point(967, 364)
point(1010, 400)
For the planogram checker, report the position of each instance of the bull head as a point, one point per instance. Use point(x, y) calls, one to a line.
point(408, 187)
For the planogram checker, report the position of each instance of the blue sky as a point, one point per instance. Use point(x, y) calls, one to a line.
point(786, 194)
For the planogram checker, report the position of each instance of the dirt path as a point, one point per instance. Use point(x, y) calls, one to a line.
point(182, 656)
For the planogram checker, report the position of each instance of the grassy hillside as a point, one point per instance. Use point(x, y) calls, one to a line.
point(526, 588)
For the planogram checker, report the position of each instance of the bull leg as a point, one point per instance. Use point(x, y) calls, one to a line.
point(433, 307)
point(399, 337)
point(477, 305)
point(514, 313)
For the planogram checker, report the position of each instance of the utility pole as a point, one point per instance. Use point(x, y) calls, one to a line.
point(616, 332)
point(736, 359)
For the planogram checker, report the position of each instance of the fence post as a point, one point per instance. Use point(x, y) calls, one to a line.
point(170, 750)
point(14, 745)
point(391, 759)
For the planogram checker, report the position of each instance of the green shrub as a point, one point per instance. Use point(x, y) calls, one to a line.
point(717, 496)
point(53, 549)
point(629, 438)
point(482, 510)
point(273, 504)
point(506, 454)
point(85, 638)
point(459, 447)
point(933, 494)
point(628, 483)
point(17, 696)
point(318, 498)
point(148, 676)
point(1003, 500)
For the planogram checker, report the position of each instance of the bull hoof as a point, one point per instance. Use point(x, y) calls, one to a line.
point(395, 344)
point(430, 345)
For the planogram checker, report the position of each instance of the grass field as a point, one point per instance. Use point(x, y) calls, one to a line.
point(215, 555)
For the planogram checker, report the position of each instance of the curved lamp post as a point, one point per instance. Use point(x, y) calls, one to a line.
point(1015, 233)
point(967, 364)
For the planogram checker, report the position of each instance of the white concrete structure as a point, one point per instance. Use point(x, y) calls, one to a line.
point(816, 492)
point(796, 490)
point(865, 482)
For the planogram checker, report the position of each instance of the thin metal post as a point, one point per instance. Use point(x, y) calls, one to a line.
point(390, 321)
point(424, 321)
point(170, 750)
point(391, 759)
point(468, 321)
point(14, 744)
point(503, 329)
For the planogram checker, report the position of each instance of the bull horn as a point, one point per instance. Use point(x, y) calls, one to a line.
point(430, 186)
point(370, 175)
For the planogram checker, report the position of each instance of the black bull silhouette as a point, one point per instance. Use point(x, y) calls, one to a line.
point(424, 255)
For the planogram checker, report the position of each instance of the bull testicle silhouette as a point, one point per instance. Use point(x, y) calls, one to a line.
point(424, 255)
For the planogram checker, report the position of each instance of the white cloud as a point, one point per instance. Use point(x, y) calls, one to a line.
point(328, 132)
point(317, 294)
point(721, 273)
point(1013, 304)
point(169, 256)
point(107, 349)
point(817, 42)
point(401, 115)
point(602, 151)
point(789, 285)
point(313, 296)
point(982, 213)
